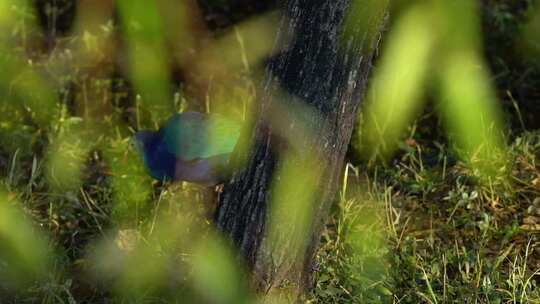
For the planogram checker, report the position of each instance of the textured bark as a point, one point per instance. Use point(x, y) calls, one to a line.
point(323, 72)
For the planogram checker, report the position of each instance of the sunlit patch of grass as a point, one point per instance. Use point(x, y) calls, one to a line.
point(446, 236)
point(352, 265)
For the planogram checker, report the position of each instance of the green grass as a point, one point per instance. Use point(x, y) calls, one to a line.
point(424, 228)
point(433, 233)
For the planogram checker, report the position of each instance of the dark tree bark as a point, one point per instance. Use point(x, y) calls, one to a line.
point(323, 71)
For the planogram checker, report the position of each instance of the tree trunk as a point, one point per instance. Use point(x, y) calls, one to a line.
point(303, 122)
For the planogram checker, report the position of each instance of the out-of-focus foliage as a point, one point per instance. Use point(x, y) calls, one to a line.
point(435, 45)
point(441, 238)
point(364, 18)
point(23, 249)
point(22, 87)
point(514, 68)
point(147, 57)
point(67, 114)
point(291, 210)
point(396, 91)
point(531, 35)
point(131, 185)
point(177, 259)
point(69, 104)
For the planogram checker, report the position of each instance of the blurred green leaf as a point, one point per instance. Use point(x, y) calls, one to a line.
point(22, 84)
point(395, 95)
point(469, 104)
point(178, 260)
point(435, 43)
point(531, 36)
point(147, 57)
point(470, 111)
point(216, 275)
point(23, 250)
point(294, 187)
point(364, 17)
point(130, 268)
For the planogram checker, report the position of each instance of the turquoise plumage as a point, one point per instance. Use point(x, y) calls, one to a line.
point(190, 146)
point(193, 135)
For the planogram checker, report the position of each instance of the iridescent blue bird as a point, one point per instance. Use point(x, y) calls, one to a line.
point(190, 146)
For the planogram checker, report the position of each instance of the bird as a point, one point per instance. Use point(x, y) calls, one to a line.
point(190, 146)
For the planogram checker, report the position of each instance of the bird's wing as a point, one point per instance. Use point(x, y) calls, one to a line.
point(209, 171)
point(193, 135)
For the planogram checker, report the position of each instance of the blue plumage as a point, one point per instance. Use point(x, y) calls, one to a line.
point(190, 146)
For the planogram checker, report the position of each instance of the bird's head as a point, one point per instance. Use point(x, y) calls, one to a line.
point(141, 140)
point(159, 164)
